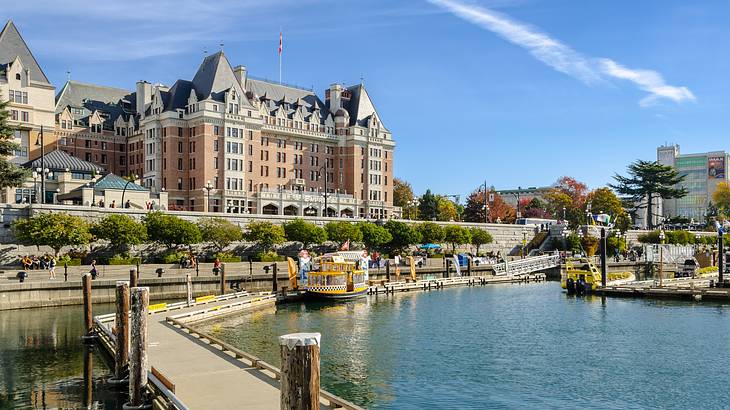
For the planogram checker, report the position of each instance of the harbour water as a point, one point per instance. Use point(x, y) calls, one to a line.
point(506, 346)
point(499, 346)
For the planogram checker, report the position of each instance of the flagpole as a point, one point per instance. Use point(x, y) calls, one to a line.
point(281, 50)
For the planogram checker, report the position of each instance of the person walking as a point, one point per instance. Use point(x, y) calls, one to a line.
point(52, 268)
point(396, 260)
point(94, 272)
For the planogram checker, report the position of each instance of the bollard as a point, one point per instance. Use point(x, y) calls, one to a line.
point(189, 288)
point(88, 321)
point(387, 271)
point(448, 267)
point(121, 354)
point(468, 266)
point(274, 281)
point(720, 258)
point(197, 269)
point(88, 393)
point(300, 371)
point(223, 279)
point(138, 365)
point(133, 276)
point(65, 272)
point(604, 274)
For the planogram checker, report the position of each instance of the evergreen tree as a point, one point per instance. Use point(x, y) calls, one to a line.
point(11, 175)
point(647, 181)
point(428, 209)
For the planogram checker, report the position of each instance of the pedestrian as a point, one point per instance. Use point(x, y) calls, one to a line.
point(128, 204)
point(304, 265)
point(193, 260)
point(36, 262)
point(52, 268)
point(94, 272)
point(113, 204)
point(216, 266)
point(27, 262)
point(365, 264)
point(396, 260)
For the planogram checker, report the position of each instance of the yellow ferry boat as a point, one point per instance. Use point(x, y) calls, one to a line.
point(582, 276)
point(334, 276)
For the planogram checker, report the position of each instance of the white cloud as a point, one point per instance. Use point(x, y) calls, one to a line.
point(562, 57)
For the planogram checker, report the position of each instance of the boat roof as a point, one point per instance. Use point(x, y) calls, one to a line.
point(344, 256)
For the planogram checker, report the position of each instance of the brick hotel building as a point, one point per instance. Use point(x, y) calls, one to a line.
point(220, 142)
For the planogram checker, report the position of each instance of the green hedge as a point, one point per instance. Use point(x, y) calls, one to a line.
point(120, 260)
point(226, 257)
point(270, 256)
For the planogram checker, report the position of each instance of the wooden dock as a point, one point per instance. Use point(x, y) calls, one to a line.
point(441, 283)
point(194, 370)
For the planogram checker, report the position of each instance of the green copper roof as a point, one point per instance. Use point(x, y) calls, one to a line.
point(111, 181)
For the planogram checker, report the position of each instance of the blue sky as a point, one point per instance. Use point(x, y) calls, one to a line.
point(517, 92)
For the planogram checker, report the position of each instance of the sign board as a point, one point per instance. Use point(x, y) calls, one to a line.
point(716, 167)
point(491, 197)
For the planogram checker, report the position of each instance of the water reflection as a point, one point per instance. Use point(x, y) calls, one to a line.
point(45, 365)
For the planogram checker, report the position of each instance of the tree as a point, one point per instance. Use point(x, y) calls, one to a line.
point(402, 235)
point(219, 232)
point(171, 231)
point(402, 193)
point(535, 208)
point(341, 232)
point(428, 207)
point(647, 181)
point(431, 232)
point(265, 234)
point(11, 175)
point(480, 237)
point(603, 200)
point(721, 197)
point(568, 198)
point(55, 230)
point(499, 209)
point(446, 209)
point(456, 235)
point(475, 210)
point(374, 236)
point(120, 230)
point(305, 232)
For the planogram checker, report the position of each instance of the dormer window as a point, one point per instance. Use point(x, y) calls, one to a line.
point(17, 76)
point(96, 128)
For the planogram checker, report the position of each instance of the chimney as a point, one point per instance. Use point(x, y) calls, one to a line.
point(240, 73)
point(335, 97)
point(144, 96)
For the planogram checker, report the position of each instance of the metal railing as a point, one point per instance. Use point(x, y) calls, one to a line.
point(527, 265)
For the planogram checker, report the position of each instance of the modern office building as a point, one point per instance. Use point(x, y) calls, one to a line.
point(221, 142)
point(702, 172)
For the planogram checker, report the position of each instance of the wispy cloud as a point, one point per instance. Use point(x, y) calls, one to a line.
point(563, 58)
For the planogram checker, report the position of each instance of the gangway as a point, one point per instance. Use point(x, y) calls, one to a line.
point(528, 265)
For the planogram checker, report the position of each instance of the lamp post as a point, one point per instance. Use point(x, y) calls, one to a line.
point(35, 187)
point(524, 241)
point(323, 170)
point(124, 191)
point(661, 257)
point(486, 202)
point(208, 187)
point(39, 143)
point(563, 214)
point(42, 173)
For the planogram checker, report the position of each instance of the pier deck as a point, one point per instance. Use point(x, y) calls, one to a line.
point(207, 373)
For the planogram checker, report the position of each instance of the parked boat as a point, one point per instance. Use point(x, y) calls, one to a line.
point(334, 276)
point(582, 276)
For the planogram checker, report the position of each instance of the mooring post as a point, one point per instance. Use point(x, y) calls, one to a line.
point(88, 321)
point(138, 354)
point(300, 371)
point(223, 279)
point(121, 354)
point(274, 282)
point(448, 267)
point(189, 288)
point(604, 274)
point(88, 393)
point(468, 266)
point(133, 277)
point(65, 271)
point(720, 257)
point(387, 270)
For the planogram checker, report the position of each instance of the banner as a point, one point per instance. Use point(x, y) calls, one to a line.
point(716, 167)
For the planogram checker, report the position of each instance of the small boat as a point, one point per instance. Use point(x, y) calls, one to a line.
point(334, 276)
point(582, 277)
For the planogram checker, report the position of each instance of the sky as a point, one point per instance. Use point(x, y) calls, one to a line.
point(511, 92)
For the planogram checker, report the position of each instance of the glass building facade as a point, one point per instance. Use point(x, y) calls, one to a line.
point(702, 172)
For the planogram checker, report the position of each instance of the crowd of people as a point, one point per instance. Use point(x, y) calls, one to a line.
point(45, 262)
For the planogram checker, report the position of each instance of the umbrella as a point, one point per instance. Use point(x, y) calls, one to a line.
point(430, 246)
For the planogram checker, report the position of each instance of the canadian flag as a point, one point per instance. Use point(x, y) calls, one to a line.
point(281, 42)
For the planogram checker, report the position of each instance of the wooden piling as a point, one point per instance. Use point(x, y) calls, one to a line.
point(300, 371)
point(387, 270)
point(138, 364)
point(189, 288)
point(88, 321)
point(133, 276)
point(88, 392)
point(223, 279)
point(274, 279)
point(468, 266)
point(121, 354)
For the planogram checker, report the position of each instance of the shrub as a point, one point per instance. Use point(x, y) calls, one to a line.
point(69, 261)
point(227, 257)
point(173, 257)
point(123, 259)
point(268, 256)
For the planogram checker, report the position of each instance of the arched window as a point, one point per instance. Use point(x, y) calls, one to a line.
point(17, 76)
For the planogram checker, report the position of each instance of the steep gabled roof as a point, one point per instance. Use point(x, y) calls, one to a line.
point(58, 160)
point(360, 106)
point(273, 96)
point(92, 98)
point(12, 45)
point(214, 77)
point(178, 95)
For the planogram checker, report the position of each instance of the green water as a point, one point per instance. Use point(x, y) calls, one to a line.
point(44, 364)
point(506, 346)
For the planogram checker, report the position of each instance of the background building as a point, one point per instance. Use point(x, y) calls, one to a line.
point(702, 171)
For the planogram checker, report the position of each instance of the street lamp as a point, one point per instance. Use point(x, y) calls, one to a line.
point(563, 214)
point(661, 257)
point(39, 143)
point(208, 187)
point(411, 204)
point(35, 186)
point(524, 241)
point(323, 170)
point(42, 173)
point(132, 179)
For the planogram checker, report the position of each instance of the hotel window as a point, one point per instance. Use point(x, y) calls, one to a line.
point(250, 166)
point(215, 145)
point(14, 115)
point(24, 116)
point(87, 156)
point(215, 162)
point(179, 164)
point(216, 129)
point(179, 184)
